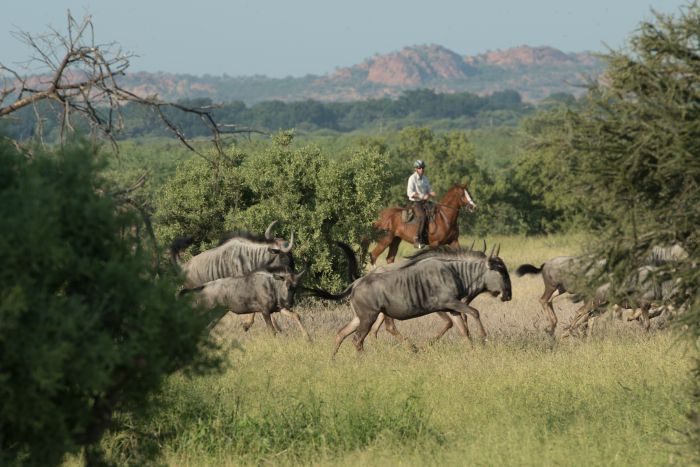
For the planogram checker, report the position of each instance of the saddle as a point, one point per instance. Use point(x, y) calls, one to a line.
point(409, 217)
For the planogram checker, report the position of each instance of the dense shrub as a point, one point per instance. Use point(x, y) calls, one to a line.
point(87, 326)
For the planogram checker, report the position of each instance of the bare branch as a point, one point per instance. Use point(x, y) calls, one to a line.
point(83, 78)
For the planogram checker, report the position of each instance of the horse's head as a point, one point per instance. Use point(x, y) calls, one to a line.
point(466, 199)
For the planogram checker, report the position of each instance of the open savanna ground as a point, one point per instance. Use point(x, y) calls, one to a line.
point(617, 397)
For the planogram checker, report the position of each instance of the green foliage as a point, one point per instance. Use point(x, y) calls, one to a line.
point(87, 326)
point(320, 200)
point(420, 107)
point(195, 201)
point(629, 155)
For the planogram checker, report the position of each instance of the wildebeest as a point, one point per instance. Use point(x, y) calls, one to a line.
point(429, 282)
point(642, 288)
point(449, 320)
point(265, 290)
point(559, 274)
point(565, 273)
point(236, 254)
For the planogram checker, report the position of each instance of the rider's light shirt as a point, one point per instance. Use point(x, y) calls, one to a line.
point(418, 185)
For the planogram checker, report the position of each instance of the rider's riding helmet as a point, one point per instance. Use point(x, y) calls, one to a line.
point(419, 164)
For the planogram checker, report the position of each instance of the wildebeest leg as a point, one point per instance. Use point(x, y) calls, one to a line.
point(377, 324)
point(248, 322)
point(581, 317)
point(390, 326)
point(362, 331)
point(548, 308)
point(268, 321)
point(461, 307)
point(448, 324)
point(251, 319)
point(393, 248)
point(460, 320)
point(646, 322)
point(295, 317)
point(345, 331)
point(384, 242)
point(214, 317)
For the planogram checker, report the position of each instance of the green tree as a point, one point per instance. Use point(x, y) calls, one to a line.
point(633, 159)
point(319, 199)
point(89, 327)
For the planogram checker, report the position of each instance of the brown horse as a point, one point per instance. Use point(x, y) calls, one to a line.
point(442, 231)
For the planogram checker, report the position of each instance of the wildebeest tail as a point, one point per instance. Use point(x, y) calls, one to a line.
point(192, 290)
point(352, 260)
point(179, 244)
point(320, 293)
point(528, 269)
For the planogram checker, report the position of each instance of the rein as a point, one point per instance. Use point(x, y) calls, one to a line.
point(448, 206)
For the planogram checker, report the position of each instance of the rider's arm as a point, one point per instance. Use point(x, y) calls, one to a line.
point(411, 191)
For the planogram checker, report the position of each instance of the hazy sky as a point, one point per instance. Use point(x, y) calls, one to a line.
point(281, 38)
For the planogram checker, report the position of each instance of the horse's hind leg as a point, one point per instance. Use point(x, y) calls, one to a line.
point(382, 244)
point(393, 248)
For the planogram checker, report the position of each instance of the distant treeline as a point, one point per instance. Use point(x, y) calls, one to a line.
point(412, 108)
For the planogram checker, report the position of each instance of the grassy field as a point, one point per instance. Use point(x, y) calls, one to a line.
point(616, 397)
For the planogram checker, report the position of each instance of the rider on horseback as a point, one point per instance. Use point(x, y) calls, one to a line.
point(419, 192)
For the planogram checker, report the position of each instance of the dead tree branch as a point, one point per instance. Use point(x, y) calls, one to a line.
point(82, 79)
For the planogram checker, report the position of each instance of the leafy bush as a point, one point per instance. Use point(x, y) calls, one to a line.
point(88, 327)
point(320, 200)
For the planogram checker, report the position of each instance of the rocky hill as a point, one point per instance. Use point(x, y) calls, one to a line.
point(535, 72)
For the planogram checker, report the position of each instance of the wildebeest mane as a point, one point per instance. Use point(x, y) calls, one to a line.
point(246, 236)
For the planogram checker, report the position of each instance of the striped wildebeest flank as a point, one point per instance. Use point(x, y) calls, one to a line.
point(237, 253)
point(432, 281)
point(266, 290)
point(460, 320)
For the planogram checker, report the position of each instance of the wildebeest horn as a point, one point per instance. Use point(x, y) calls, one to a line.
point(484, 250)
point(288, 248)
point(472, 246)
point(498, 249)
point(268, 231)
point(491, 254)
point(299, 274)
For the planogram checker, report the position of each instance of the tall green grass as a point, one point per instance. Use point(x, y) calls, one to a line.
point(597, 401)
point(617, 397)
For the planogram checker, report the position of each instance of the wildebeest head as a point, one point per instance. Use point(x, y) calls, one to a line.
point(467, 201)
point(290, 282)
point(497, 277)
point(280, 247)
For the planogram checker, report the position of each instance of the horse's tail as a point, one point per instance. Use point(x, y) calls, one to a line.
point(528, 269)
